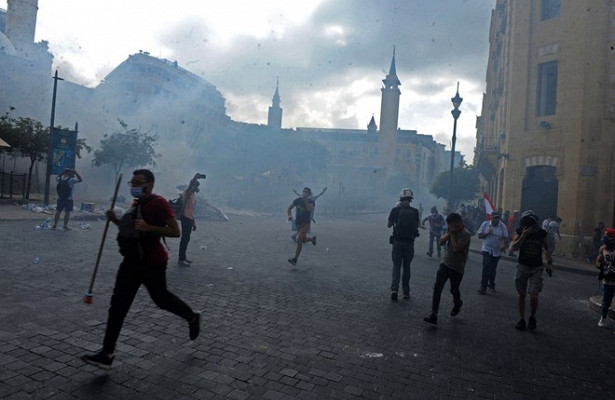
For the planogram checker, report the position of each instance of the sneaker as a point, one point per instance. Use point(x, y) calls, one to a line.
point(432, 319)
point(293, 261)
point(520, 325)
point(188, 261)
point(531, 324)
point(406, 296)
point(602, 322)
point(456, 309)
point(492, 290)
point(183, 263)
point(393, 296)
point(53, 228)
point(195, 326)
point(101, 359)
point(314, 240)
point(482, 291)
point(66, 228)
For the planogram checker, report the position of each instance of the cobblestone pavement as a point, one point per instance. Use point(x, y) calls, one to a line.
point(324, 329)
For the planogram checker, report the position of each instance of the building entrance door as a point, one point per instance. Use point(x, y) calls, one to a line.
point(539, 191)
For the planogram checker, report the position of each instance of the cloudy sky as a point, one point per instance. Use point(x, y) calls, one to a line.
point(329, 55)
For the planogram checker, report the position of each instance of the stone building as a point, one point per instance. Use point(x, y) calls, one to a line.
point(372, 157)
point(545, 139)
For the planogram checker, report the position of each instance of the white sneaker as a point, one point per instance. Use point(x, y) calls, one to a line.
point(602, 323)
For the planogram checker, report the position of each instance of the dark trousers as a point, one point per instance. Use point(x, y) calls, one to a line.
point(445, 273)
point(435, 237)
point(402, 255)
point(490, 265)
point(187, 225)
point(130, 276)
point(607, 296)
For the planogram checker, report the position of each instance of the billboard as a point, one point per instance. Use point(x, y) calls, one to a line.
point(63, 150)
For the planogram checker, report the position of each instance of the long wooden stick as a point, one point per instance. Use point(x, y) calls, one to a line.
point(88, 297)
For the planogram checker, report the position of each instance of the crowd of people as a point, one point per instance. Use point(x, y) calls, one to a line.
point(151, 218)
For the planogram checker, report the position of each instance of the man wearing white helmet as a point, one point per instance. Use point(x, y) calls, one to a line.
point(405, 221)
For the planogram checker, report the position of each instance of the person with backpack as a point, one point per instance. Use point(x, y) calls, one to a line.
point(145, 263)
point(186, 218)
point(405, 222)
point(66, 182)
point(530, 240)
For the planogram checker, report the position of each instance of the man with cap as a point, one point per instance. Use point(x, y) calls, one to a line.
point(530, 240)
point(495, 239)
point(405, 221)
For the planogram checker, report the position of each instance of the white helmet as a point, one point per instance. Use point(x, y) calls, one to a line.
point(406, 193)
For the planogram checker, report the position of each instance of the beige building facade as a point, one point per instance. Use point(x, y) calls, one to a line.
point(546, 135)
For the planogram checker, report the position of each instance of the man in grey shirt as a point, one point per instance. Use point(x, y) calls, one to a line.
point(452, 266)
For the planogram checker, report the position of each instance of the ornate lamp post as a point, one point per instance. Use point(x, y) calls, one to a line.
point(455, 111)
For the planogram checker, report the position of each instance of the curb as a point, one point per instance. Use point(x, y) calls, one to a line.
point(560, 267)
point(595, 303)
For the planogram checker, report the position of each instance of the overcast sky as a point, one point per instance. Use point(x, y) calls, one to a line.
point(330, 55)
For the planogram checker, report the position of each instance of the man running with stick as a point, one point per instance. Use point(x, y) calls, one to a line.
point(145, 262)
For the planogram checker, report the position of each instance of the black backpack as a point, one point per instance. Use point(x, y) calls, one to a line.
point(63, 189)
point(407, 224)
point(177, 205)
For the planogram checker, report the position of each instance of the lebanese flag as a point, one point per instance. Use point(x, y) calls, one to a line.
point(488, 206)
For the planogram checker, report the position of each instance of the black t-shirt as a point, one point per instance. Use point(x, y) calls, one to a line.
point(302, 215)
point(530, 251)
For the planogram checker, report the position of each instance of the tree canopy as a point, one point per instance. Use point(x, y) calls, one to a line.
point(29, 138)
point(126, 148)
point(465, 185)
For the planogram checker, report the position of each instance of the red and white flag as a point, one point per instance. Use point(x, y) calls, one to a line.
point(488, 206)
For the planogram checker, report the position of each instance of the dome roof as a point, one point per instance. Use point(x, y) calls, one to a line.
point(5, 45)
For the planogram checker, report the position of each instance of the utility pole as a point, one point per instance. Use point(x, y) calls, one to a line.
point(50, 149)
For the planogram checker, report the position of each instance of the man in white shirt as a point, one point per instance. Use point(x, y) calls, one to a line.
point(495, 240)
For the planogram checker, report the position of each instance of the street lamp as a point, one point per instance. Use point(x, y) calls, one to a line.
point(455, 111)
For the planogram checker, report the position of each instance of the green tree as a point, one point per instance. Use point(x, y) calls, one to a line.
point(128, 148)
point(465, 185)
point(30, 138)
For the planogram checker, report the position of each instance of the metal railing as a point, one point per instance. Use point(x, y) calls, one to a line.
point(12, 185)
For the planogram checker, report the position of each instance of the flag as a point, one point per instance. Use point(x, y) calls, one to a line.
point(488, 206)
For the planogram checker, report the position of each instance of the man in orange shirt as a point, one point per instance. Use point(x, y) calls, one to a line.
point(187, 218)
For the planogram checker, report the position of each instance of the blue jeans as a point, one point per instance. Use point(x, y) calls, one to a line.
point(607, 296)
point(402, 255)
point(490, 265)
point(434, 237)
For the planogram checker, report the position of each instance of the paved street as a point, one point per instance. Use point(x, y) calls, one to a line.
point(324, 329)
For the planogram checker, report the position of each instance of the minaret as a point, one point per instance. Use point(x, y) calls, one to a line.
point(372, 127)
point(274, 119)
point(21, 23)
point(389, 114)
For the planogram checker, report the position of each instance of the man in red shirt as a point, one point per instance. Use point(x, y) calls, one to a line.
point(144, 263)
